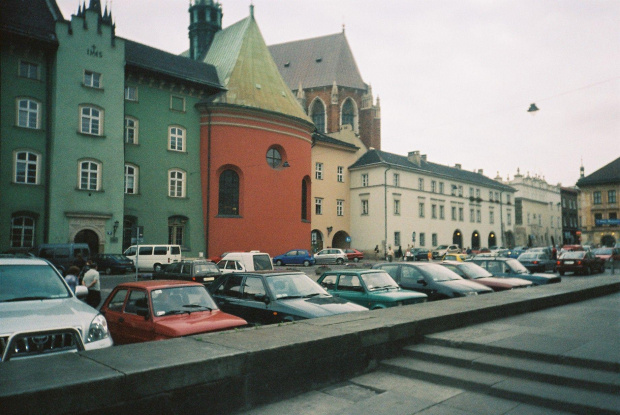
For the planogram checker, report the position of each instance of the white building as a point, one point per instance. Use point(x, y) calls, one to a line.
point(538, 211)
point(394, 197)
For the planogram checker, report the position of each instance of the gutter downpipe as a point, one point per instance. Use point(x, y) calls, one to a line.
point(385, 244)
point(501, 218)
point(208, 195)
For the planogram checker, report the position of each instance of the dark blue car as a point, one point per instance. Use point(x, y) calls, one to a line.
point(511, 268)
point(113, 263)
point(295, 257)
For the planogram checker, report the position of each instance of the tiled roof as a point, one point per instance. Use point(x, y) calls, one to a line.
point(33, 18)
point(146, 57)
point(606, 174)
point(318, 62)
point(334, 141)
point(247, 71)
point(378, 157)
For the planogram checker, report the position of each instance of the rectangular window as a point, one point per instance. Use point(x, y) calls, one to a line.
point(131, 93)
point(421, 207)
point(131, 179)
point(460, 191)
point(92, 79)
point(177, 103)
point(91, 120)
point(364, 179)
point(28, 113)
point(318, 171)
point(340, 174)
point(176, 139)
point(461, 214)
point(396, 207)
point(318, 206)
point(441, 187)
point(176, 233)
point(396, 239)
point(497, 197)
point(433, 186)
point(434, 239)
point(131, 130)
point(364, 207)
point(420, 184)
point(478, 216)
point(490, 195)
point(453, 212)
point(396, 180)
point(433, 211)
point(339, 207)
point(442, 212)
point(508, 199)
point(89, 175)
point(472, 216)
point(176, 183)
point(28, 70)
point(477, 193)
point(26, 168)
point(22, 232)
point(471, 192)
point(491, 217)
point(611, 196)
point(422, 239)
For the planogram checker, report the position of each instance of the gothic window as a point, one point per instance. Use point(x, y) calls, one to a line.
point(317, 112)
point(229, 193)
point(348, 114)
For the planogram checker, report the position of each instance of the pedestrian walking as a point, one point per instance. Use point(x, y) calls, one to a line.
point(377, 252)
point(72, 277)
point(399, 253)
point(91, 281)
point(390, 254)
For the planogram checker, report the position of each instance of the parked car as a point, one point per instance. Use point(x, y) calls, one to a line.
point(441, 250)
point(607, 254)
point(244, 262)
point(331, 256)
point(511, 268)
point(195, 270)
point(354, 255)
point(455, 257)
point(471, 271)
point(432, 279)
point(580, 262)
point(157, 310)
point(295, 257)
point(62, 256)
point(370, 288)
point(416, 254)
point(570, 248)
point(537, 261)
point(113, 263)
point(274, 297)
point(516, 251)
point(153, 257)
point(40, 315)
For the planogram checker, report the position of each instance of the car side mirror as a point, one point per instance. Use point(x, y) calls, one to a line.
point(421, 281)
point(262, 297)
point(143, 311)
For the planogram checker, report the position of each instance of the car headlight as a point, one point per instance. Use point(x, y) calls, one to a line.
point(98, 329)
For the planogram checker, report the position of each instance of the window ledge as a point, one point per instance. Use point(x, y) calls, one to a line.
point(90, 135)
point(89, 191)
point(177, 151)
point(178, 197)
point(29, 128)
point(229, 216)
point(94, 88)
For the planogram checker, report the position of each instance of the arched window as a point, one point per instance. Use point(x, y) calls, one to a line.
point(89, 172)
point(348, 114)
point(22, 232)
point(131, 179)
point(28, 113)
point(91, 120)
point(26, 167)
point(176, 139)
point(131, 130)
point(304, 199)
point(176, 183)
point(229, 193)
point(317, 112)
point(177, 230)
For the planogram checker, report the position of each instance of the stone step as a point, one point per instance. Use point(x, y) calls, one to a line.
point(530, 369)
point(590, 363)
point(557, 397)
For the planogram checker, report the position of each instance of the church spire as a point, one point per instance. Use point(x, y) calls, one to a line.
point(205, 20)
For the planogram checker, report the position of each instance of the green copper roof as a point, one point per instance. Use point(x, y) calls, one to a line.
point(247, 70)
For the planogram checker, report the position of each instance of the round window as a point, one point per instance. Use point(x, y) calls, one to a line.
point(274, 158)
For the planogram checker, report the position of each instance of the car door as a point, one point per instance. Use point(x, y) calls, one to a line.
point(351, 288)
point(253, 302)
point(131, 327)
point(412, 278)
point(227, 295)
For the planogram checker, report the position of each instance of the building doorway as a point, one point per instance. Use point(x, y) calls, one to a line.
point(475, 241)
point(316, 240)
point(457, 238)
point(341, 240)
point(88, 237)
point(492, 240)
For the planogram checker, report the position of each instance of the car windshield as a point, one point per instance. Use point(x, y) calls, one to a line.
point(118, 257)
point(529, 256)
point(517, 267)
point(439, 273)
point(31, 282)
point(378, 281)
point(262, 263)
point(602, 251)
point(206, 269)
point(474, 271)
point(442, 246)
point(293, 286)
point(182, 299)
point(573, 255)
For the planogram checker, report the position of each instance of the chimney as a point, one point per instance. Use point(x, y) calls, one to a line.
point(414, 157)
point(458, 166)
point(480, 171)
point(423, 157)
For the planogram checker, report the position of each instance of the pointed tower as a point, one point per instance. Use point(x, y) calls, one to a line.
point(205, 20)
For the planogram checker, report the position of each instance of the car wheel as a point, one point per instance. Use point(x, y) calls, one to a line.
point(356, 260)
point(588, 271)
point(108, 271)
point(279, 263)
point(561, 272)
point(157, 267)
point(306, 263)
point(340, 261)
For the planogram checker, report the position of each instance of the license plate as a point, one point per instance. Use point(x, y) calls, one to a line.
point(569, 262)
point(208, 279)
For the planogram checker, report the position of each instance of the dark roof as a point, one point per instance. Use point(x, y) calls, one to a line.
point(145, 57)
point(34, 19)
point(331, 140)
point(377, 157)
point(318, 62)
point(606, 174)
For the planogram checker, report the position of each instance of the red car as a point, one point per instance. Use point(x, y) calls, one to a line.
point(157, 310)
point(607, 254)
point(579, 262)
point(354, 255)
point(476, 273)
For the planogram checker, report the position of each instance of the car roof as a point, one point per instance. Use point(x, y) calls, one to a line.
point(352, 271)
point(266, 273)
point(452, 262)
point(156, 284)
point(23, 261)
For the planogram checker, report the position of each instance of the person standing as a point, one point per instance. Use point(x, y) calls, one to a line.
point(91, 281)
point(390, 254)
point(72, 277)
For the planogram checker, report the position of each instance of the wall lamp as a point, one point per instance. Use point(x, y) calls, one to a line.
point(286, 164)
point(115, 228)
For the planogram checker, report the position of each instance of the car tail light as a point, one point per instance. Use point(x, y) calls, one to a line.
point(558, 263)
point(534, 262)
point(578, 262)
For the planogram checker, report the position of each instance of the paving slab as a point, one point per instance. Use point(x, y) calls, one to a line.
point(480, 404)
point(310, 403)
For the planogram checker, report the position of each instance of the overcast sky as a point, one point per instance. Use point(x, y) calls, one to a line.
point(455, 77)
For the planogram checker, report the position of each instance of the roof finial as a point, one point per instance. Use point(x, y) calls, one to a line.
point(251, 10)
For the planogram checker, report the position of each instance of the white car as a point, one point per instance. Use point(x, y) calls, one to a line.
point(441, 250)
point(40, 315)
point(245, 262)
point(331, 255)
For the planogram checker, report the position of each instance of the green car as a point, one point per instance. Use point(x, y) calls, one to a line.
point(370, 288)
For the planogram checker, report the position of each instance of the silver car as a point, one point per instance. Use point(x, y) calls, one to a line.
point(40, 315)
point(330, 256)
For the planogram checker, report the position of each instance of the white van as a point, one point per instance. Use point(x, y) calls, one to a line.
point(245, 261)
point(153, 256)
